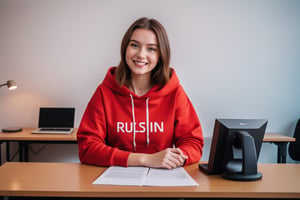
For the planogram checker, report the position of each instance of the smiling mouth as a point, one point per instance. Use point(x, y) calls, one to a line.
point(139, 63)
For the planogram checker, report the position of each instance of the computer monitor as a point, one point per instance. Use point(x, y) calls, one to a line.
point(235, 149)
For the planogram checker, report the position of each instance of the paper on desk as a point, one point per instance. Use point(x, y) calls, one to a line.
point(143, 176)
point(169, 177)
point(122, 176)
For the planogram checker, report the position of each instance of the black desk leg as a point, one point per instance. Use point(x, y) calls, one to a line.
point(281, 153)
point(7, 152)
point(26, 155)
point(0, 153)
point(21, 151)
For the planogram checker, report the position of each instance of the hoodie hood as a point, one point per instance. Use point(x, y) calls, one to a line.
point(155, 91)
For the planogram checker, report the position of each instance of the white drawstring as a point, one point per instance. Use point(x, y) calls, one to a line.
point(133, 121)
point(147, 118)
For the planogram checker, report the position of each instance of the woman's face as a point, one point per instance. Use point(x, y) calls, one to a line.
point(142, 53)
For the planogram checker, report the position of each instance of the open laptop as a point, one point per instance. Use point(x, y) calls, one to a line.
point(53, 120)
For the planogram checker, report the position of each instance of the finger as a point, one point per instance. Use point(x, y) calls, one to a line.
point(183, 157)
point(169, 164)
point(181, 153)
point(177, 159)
point(173, 158)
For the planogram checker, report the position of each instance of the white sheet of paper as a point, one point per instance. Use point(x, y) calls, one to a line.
point(144, 176)
point(115, 175)
point(169, 177)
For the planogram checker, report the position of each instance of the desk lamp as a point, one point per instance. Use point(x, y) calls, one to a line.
point(11, 84)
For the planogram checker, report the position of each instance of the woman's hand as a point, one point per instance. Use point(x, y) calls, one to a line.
point(168, 158)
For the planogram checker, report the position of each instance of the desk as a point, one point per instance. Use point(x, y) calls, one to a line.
point(75, 180)
point(281, 141)
point(25, 137)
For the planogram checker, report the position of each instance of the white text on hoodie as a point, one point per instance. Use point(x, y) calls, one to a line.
point(127, 127)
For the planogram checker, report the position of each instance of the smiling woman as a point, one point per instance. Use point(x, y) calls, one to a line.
point(140, 115)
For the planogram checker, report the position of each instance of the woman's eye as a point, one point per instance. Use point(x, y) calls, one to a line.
point(152, 49)
point(133, 45)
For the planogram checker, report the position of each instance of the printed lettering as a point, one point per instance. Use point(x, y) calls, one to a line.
point(141, 127)
point(160, 128)
point(120, 127)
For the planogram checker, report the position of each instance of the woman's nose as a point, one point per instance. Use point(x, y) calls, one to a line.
point(142, 53)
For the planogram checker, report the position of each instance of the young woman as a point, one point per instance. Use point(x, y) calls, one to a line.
point(140, 114)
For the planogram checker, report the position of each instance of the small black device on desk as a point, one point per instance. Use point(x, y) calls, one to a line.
point(11, 130)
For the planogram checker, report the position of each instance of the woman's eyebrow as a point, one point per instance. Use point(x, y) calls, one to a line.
point(134, 41)
point(151, 44)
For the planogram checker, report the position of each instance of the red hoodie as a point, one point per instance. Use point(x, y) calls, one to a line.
point(117, 122)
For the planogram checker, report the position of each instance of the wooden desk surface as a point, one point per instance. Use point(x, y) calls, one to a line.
point(275, 137)
point(26, 135)
point(75, 180)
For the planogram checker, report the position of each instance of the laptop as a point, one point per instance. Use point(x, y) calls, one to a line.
point(53, 120)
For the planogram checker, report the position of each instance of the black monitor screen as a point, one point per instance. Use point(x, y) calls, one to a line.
point(223, 129)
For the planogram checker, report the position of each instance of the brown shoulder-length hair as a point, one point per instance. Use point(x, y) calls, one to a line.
point(161, 73)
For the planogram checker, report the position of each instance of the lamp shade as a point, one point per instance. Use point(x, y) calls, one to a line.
point(11, 84)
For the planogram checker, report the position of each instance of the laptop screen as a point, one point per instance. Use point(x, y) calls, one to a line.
point(56, 117)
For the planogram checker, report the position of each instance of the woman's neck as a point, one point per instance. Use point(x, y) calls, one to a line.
point(140, 85)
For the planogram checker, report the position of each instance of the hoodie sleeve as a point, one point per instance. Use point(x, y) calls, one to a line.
point(188, 131)
point(91, 136)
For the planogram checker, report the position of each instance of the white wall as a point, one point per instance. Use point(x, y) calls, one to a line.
point(235, 59)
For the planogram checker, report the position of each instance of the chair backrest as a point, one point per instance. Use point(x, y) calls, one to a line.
point(294, 147)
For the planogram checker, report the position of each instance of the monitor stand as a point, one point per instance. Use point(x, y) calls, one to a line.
point(244, 169)
point(232, 172)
